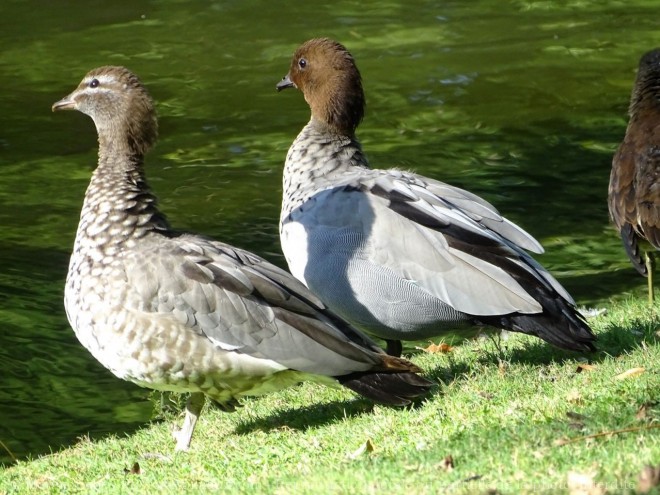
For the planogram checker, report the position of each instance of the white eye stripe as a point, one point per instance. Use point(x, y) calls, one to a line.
point(102, 79)
point(91, 91)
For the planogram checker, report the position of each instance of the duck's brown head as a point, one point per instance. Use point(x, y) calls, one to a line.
point(330, 81)
point(119, 105)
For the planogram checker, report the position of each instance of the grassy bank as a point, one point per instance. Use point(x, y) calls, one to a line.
point(509, 416)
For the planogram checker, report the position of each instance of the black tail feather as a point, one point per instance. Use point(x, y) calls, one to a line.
point(630, 242)
point(560, 324)
point(389, 388)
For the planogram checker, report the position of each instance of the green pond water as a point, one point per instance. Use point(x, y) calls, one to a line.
point(522, 102)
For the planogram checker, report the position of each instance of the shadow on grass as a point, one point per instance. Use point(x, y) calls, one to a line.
point(30, 439)
point(614, 340)
point(303, 418)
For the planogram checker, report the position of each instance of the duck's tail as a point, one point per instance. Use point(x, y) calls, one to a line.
point(560, 324)
point(390, 386)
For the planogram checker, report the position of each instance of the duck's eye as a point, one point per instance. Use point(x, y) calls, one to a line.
point(302, 63)
point(94, 83)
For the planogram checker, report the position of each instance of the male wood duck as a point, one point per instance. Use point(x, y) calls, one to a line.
point(399, 255)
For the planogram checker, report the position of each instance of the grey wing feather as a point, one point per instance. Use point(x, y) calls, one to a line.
point(462, 205)
point(444, 198)
point(244, 304)
point(442, 218)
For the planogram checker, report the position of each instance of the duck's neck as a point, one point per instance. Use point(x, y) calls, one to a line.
point(646, 95)
point(318, 159)
point(119, 206)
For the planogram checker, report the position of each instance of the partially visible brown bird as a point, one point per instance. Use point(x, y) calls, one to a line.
point(634, 192)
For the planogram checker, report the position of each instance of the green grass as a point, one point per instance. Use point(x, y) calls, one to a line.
point(515, 415)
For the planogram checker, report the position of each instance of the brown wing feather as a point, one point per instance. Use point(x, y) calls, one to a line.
point(648, 193)
point(621, 194)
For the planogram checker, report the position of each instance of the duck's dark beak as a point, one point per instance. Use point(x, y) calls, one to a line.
point(285, 83)
point(66, 103)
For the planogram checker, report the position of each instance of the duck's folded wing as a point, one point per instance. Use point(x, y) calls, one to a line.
point(622, 202)
point(452, 243)
point(621, 192)
point(648, 195)
point(436, 198)
point(246, 305)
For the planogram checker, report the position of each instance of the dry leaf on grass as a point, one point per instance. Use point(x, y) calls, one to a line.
point(366, 447)
point(441, 348)
point(447, 463)
point(135, 469)
point(584, 484)
point(649, 478)
point(574, 396)
point(584, 367)
point(575, 416)
point(643, 411)
point(629, 373)
point(578, 420)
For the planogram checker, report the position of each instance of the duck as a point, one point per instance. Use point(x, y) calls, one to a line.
point(399, 255)
point(634, 189)
point(177, 311)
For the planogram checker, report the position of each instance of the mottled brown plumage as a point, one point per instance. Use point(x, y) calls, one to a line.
point(634, 191)
point(176, 311)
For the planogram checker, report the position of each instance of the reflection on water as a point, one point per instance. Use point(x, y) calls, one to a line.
point(522, 102)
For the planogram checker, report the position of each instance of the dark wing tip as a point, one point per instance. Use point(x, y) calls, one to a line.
point(392, 389)
point(630, 241)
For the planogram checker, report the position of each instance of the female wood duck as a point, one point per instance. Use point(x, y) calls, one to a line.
point(181, 312)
